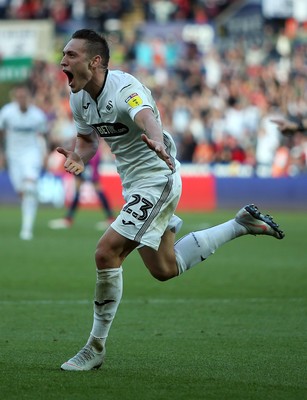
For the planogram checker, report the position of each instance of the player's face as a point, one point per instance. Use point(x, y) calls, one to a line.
point(22, 97)
point(76, 64)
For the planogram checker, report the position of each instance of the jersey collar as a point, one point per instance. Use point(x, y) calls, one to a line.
point(104, 83)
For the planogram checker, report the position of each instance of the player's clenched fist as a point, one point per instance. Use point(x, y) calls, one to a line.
point(73, 163)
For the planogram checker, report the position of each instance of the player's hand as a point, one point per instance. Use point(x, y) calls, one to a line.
point(73, 163)
point(285, 126)
point(159, 149)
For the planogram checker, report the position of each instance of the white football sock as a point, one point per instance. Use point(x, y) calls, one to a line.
point(108, 294)
point(29, 204)
point(197, 246)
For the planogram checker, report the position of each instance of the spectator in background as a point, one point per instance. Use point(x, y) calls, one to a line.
point(291, 156)
point(24, 126)
point(144, 53)
point(204, 153)
point(250, 74)
point(268, 141)
point(28, 9)
point(234, 119)
point(181, 114)
point(288, 126)
point(187, 147)
point(213, 68)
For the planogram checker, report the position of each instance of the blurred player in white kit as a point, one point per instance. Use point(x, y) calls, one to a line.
point(22, 127)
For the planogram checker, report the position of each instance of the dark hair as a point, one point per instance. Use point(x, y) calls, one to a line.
point(96, 44)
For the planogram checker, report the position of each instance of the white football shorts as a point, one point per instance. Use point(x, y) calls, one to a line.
point(26, 166)
point(149, 209)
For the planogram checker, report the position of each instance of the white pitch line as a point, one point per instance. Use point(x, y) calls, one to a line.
point(158, 301)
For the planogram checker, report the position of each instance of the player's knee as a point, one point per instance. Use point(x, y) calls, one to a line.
point(163, 275)
point(29, 186)
point(105, 257)
point(102, 257)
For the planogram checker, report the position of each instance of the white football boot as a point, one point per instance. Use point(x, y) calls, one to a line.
point(91, 356)
point(61, 223)
point(26, 235)
point(258, 224)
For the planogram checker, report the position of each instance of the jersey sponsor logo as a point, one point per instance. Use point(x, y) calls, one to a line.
point(134, 100)
point(110, 129)
point(23, 129)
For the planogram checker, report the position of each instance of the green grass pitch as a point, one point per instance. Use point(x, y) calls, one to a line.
point(232, 328)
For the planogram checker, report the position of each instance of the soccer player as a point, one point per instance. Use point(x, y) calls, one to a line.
point(90, 174)
point(116, 106)
point(24, 127)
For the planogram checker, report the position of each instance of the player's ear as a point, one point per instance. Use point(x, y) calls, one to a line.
point(95, 62)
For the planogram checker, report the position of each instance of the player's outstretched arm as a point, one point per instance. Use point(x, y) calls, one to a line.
point(85, 148)
point(153, 135)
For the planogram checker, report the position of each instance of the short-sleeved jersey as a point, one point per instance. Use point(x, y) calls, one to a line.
point(22, 128)
point(112, 117)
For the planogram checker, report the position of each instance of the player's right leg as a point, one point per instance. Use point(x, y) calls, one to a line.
point(91, 356)
point(23, 173)
point(29, 204)
point(112, 249)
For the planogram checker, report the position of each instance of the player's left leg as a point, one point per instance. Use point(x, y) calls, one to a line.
point(161, 263)
point(174, 259)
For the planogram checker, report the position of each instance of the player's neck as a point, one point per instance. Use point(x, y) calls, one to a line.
point(96, 85)
point(23, 108)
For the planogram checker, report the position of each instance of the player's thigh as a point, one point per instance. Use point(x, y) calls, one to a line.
point(23, 168)
point(162, 262)
point(16, 173)
point(15, 176)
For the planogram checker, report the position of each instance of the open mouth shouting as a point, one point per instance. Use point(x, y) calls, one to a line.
point(70, 76)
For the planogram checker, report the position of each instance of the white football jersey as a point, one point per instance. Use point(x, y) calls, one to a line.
point(22, 128)
point(112, 117)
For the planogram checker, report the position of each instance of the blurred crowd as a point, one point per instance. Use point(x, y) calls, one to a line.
point(217, 104)
point(97, 12)
point(64, 10)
